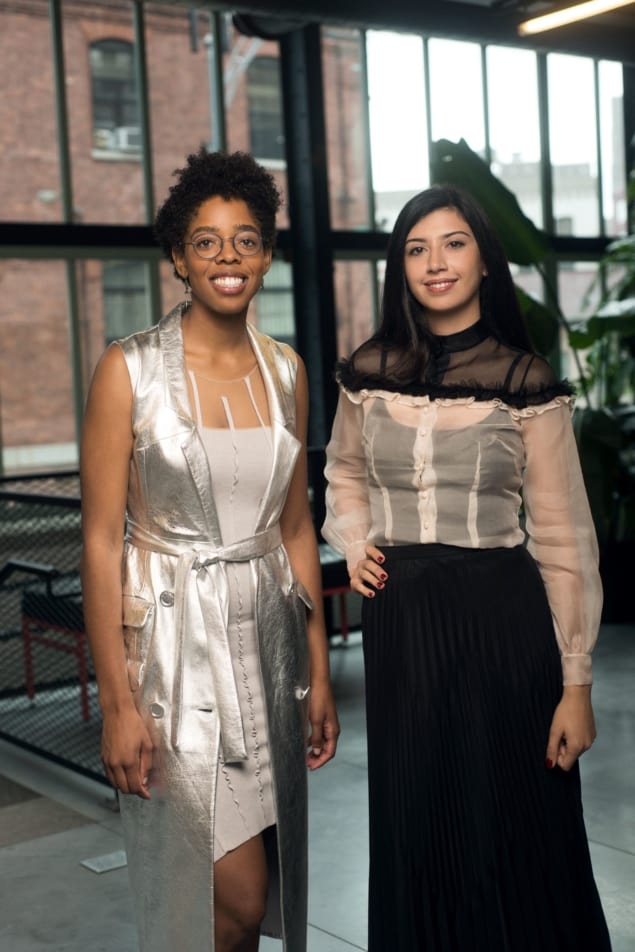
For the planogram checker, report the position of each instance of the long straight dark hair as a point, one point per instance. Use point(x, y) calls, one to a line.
point(403, 321)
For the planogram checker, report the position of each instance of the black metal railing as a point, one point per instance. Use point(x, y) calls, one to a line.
point(48, 695)
point(47, 686)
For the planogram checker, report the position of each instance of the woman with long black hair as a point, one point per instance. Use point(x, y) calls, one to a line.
point(477, 632)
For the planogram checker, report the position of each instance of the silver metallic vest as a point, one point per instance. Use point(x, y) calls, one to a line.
point(179, 663)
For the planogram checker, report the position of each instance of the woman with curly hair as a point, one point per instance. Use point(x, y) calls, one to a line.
point(201, 585)
point(476, 646)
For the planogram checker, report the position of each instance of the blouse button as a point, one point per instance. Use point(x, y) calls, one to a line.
point(157, 710)
point(166, 599)
point(423, 432)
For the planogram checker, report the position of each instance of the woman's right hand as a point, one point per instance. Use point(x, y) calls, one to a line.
point(126, 751)
point(368, 575)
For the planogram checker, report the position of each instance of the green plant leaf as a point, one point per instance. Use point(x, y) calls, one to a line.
point(613, 318)
point(581, 338)
point(454, 163)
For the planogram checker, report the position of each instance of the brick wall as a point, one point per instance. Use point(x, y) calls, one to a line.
point(36, 394)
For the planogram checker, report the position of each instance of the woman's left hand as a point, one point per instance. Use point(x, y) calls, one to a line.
point(572, 728)
point(325, 728)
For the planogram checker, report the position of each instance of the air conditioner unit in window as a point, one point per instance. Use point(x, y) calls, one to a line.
point(103, 139)
point(127, 138)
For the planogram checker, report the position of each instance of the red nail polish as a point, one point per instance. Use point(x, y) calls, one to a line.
point(383, 576)
point(371, 594)
point(380, 584)
point(549, 763)
point(380, 559)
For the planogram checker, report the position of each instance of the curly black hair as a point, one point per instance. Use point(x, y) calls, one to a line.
point(234, 175)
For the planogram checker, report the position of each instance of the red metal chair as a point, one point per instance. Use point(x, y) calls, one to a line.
point(55, 619)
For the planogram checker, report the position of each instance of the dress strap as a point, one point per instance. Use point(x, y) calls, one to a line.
point(507, 385)
point(197, 399)
point(250, 391)
point(228, 412)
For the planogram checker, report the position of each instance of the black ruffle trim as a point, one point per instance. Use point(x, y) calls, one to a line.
point(527, 397)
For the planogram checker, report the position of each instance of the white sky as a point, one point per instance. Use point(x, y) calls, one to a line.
point(398, 114)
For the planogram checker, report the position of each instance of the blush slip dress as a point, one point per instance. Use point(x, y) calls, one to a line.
point(240, 459)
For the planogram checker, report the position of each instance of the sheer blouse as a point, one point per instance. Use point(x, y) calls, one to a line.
point(445, 459)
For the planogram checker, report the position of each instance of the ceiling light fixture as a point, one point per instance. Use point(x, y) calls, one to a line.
point(581, 11)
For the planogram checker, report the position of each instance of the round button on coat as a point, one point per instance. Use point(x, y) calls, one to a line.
point(167, 599)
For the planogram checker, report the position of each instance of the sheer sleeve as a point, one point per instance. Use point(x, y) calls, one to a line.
point(561, 534)
point(347, 520)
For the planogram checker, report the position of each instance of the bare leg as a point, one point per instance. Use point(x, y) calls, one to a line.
point(240, 897)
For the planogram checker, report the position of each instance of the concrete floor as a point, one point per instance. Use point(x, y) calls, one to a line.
point(52, 820)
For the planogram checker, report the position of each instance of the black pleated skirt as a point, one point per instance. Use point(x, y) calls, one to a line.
point(474, 845)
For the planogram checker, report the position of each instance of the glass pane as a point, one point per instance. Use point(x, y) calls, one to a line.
point(456, 92)
point(514, 128)
point(346, 127)
point(37, 416)
point(102, 101)
point(612, 148)
point(355, 303)
point(172, 288)
point(242, 99)
point(114, 302)
point(572, 133)
point(180, 56)
point(529, 279)
point(272, 308)
point(398, 126)
point(266, 120)
point(30, 180)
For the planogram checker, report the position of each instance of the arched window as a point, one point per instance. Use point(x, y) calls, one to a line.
point(115, 103)
point(265, 108)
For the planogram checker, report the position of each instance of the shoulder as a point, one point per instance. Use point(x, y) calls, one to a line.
point(531, 380)
point(140, 341)
point(374, 365)
point(275, 349)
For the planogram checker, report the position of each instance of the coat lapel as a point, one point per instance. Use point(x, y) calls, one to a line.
point(279, 375)
point(177, 397)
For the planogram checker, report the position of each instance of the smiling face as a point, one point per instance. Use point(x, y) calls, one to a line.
point(223, 285)
point(444, 270)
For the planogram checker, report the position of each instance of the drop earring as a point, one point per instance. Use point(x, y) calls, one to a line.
point(188, 291)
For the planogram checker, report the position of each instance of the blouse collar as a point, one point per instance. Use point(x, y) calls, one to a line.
point(461, 340)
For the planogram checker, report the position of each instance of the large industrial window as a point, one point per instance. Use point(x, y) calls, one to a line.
point(387, 97)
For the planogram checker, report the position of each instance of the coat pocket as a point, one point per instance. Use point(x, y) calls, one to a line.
point(137, 619)
point(299, 590)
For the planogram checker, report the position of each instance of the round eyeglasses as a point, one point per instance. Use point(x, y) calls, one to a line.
point(244, 243)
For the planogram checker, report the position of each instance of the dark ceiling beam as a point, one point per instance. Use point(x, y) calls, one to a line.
point(611, 36)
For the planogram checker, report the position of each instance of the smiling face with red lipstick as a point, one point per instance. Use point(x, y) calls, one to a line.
point(223, 257)
point(444, 270)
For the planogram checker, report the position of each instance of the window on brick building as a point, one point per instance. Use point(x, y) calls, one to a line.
point(115, 102)
point(265, 108)
point(125, 298)
point(275, 303)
